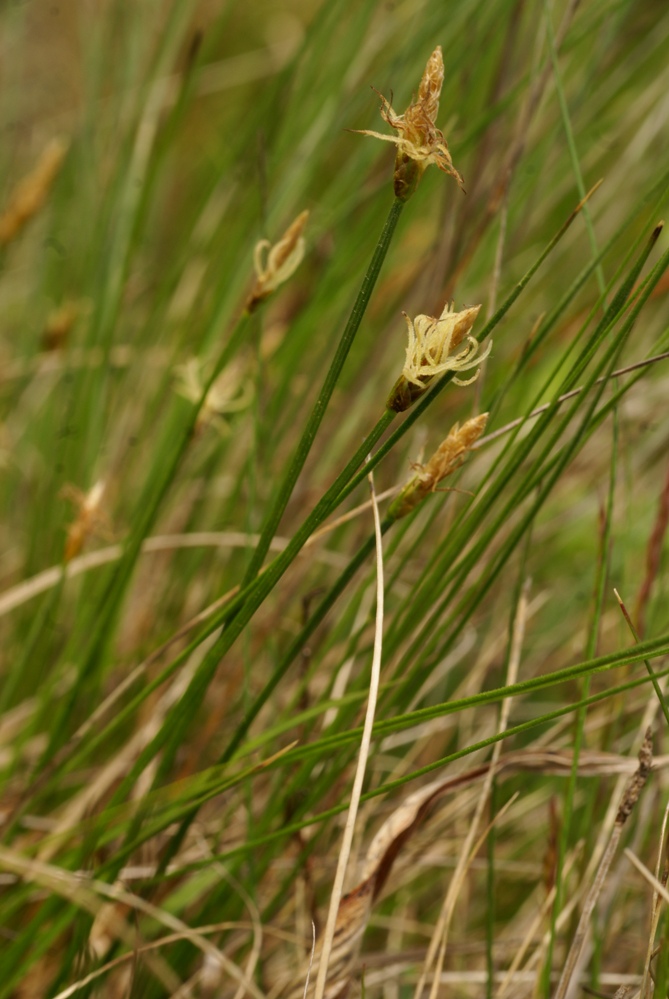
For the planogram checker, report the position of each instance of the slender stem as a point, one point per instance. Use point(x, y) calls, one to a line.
point(651, 671)
point(149, 507)
point(571, 143)
point(300, 641)
point(365, 744)
point(601, 576)
point(285, 490)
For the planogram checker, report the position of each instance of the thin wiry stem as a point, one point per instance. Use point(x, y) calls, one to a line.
point(629, 800)
point(651, 671)
point(637, 366)
point(365, 744)
point(440, 935)
point(285, 490)
point(657, 909)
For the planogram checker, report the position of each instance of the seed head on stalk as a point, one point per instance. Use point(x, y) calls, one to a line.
point(30, 194)
point(419, 142)
point(448, 457)
point(281, 262)
point(430, 352)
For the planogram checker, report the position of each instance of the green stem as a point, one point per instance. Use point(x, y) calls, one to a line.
point(149, 506)
point(571, 144)
point(651, 672)
point(579, 720)
point(319, 613)
point(393, 785)
point(348, 479)
point(285, 490)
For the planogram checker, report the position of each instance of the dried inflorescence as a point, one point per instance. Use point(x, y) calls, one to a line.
point(430, 350)
point(419, 142)
point(90, 520)
point(448, 457)
point(636, 784)
point(282, 261)
point(59, 324)
point(31, 193)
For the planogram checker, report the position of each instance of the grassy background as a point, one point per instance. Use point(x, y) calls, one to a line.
point(193, 130)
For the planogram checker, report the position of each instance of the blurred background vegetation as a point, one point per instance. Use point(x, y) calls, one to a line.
point(180, 134)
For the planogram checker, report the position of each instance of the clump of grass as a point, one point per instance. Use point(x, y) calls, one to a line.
point(207, 377)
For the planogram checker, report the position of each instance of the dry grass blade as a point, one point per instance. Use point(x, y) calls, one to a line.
point(440, 935)
point(86, 892)
point(335, 928)
point(80, 892)
point(356, 906)
point(163, 942)
point(629, 800)
point(657, 908)
point(17, 595)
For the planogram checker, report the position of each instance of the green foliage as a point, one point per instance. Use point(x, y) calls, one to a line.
point(186, 649)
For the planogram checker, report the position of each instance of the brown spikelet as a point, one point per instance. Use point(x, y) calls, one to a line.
point(429, 91)
point(448, 457)
point(636, 784)
point(419, 142)
point(283, 259)
point(31, 193)
point(90, 518)
point(58, 325)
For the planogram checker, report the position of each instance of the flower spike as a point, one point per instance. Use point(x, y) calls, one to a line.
point(419, 142)
point(30, 194)
point(283, 259)
point(430, 353)
point(448, 457)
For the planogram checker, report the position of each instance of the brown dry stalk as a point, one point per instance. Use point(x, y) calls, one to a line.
point(30, 194)
point(333, 927)
point(356, 906)
point(627, 803)
point(646, 987)
point(653, 555)
point(440, 935)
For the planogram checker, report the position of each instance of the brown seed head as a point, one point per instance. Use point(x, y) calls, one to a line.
point(31, 193)
point(283, 259)
point(419, 142)
point(636, 784)
point(448, 457)
point(58, 325)
point(90, 519)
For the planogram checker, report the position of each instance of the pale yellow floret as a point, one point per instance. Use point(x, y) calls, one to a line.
point(230, 393)
point(275, 264)
point(431, 344)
